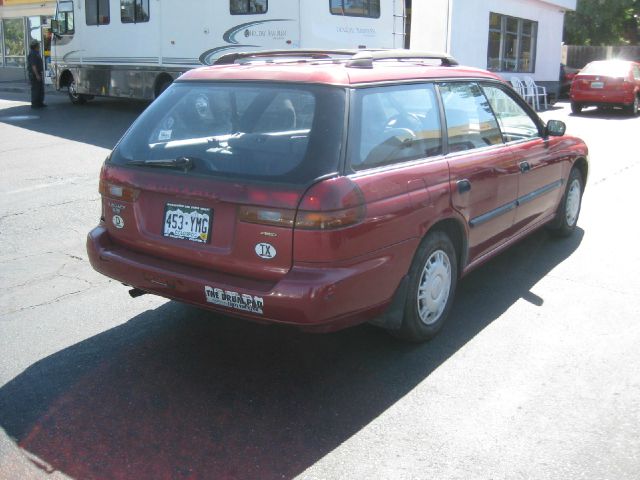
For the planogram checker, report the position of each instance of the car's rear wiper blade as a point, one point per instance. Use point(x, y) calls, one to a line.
point(180, 163)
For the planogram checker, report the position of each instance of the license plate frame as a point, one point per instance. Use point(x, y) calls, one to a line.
point(597, 85)
point(187, 222)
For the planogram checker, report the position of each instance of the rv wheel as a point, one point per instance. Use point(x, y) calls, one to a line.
point(75, 97)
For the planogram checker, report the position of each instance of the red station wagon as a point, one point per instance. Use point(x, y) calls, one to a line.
point(607, 84)
point(327, 189)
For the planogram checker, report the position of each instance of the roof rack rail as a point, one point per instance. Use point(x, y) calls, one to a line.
point(354, 58)
point(365, 58)
point(311, 54)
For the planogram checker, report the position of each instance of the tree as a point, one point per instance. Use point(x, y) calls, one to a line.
point(603, 22)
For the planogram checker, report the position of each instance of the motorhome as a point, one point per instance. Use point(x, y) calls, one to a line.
point(136, 48)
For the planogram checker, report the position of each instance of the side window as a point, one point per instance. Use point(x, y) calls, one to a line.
point(244, 7)
point(97, 12)
point(355, 8)
point(394, 124)
point(134, 11)
point(470, 121)
point(64, 16)
point(515, 122)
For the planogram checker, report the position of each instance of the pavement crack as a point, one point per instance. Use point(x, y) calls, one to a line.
point(41, 207)
point(48, 302)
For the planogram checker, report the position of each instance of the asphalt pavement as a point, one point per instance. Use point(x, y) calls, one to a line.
point(536, 374)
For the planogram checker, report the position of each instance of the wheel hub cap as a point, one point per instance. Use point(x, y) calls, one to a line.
point(433, 291)
point(573, 203)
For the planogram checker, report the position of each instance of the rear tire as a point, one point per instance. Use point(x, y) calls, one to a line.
point(576, 107)
point(633, 108)
point(433, 278)
point(569, 208)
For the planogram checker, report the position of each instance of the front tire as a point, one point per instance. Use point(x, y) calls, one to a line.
point(432, 284)
point(75, 97)
point(569, 208)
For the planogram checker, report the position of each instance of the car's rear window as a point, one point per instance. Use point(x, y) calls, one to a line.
point(260, 131)
point(607, 69)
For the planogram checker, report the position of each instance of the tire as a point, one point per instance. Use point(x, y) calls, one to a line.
point(433, 278)
point(633, 108)
point(576, 107)
point(75, 97)
point(569, 208)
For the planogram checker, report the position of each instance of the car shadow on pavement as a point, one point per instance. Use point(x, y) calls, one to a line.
point(177, 392)
point(100, 122)
point(605, 114)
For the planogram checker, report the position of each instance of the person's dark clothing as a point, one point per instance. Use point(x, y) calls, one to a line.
point(37, 86)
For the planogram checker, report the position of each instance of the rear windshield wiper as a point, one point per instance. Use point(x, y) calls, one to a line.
point(180, 163)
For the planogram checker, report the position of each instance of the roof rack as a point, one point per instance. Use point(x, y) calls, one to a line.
point(365, 58)
point(353, 58)
point(310, 54)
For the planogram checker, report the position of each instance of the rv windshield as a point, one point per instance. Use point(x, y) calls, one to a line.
point(281, 133)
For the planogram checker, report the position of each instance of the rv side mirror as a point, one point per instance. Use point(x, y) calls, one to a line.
point(55, 27)
point(556, 128)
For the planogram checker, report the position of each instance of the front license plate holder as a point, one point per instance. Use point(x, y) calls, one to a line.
point(187, 222)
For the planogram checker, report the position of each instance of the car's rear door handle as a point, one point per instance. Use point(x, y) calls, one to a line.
point(463, 185)
point(525, 167)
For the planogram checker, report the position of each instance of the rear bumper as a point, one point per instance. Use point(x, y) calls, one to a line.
point(589, 98)
point(321, 298)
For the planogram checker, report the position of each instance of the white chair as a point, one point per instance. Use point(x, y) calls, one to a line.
point(522, 90)
point(536, 92)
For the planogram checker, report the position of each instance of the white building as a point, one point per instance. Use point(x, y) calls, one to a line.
point(510, 37)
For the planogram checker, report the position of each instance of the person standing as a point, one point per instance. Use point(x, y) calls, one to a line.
point(36, 75)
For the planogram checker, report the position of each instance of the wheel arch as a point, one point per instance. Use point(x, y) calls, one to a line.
point(456, 232)
point(66, 77)
point(583, 167)
point(160, 82)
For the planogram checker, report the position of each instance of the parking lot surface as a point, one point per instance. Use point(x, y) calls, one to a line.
point(536, 374)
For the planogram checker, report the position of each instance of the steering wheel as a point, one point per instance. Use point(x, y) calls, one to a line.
point(405, 121)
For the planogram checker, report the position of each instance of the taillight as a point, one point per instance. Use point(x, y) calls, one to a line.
point(331, 204)
point(118, 192)
point(266, 216)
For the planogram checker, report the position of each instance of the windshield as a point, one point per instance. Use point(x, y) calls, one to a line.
point(607, 69)
point(281, 133)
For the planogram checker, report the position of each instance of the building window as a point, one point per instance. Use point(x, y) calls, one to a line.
point(355, 8)
point(97, 12)
point(134, 11)
point(14, 35)
point(245, 7)
point(512, 44)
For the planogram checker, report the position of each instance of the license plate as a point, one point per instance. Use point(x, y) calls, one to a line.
point(187, 222)
point(597, 84)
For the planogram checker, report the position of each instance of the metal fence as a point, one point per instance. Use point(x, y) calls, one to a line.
point(578, 56)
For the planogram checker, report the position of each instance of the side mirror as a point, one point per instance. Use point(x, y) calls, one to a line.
point(55, 27)
point(555, 128)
